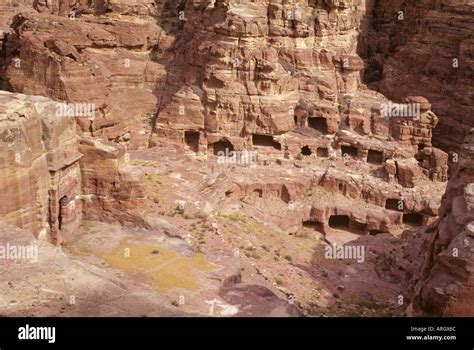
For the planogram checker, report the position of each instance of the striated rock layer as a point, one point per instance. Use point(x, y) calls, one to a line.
point(261, 68)
point(103, 64)
point(446, 283)
point(283, 79)
point(48, 180)
point(426, 48)
point(202, 72)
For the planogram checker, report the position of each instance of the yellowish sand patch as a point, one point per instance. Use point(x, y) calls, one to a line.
point(159, 267)
point(145, 163)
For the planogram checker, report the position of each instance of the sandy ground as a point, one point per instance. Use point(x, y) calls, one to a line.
point(205, 252)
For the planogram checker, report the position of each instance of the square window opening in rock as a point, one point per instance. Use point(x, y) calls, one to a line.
point(322, 152)
point(394, 204)
point(339, 222)
point(191, 138)
point(349, 151)
point(413, 219)
point(318, 123)
point(265, 141)
point(375, 157)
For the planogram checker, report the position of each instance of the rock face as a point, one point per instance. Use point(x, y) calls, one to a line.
point(426, 49)
point(110, 190)
point(343, 104)
point(47, 178)
point(244, 72)
point(218, 75)
point(103, 64)
point(213, 73)
point(446, 285)
point(39, 162)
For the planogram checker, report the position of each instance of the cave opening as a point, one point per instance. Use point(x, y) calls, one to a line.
point(285, 195)
point(349, 151)
point(322, 152)
point(339, 222)
point(306, 151)
point(318, 123)
point(375, 157)
point(413, 219)
point(265, 141)
point(191, 138)
point(394, 204)
point(62, 206)
point(223, 148)
point(340, 186)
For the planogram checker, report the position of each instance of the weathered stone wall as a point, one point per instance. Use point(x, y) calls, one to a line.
point(428, 53)
point(38, 166)
point(111, 190)
point(445, 284)
point(106, 65)
point(246, 68)
point(49, 179)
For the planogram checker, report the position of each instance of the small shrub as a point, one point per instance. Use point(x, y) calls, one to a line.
point(154, 55)
point(279, 281)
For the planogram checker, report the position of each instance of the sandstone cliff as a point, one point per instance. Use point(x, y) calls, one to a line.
point(48, 179)
point(425, 48)
point(446, 283)
point(39, 165)
point(305, 85)
point(202, 71)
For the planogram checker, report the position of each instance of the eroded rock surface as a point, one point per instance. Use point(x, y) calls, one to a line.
point(426, 49)
point(445, 286)
point(236, 141)
point(47, 173)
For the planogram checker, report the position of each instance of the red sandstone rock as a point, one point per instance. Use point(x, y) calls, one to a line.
point(278, 79)
point(445, 286)
point(118, 79)
point(409, 59)
point(48, 181)
point(110, 189)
